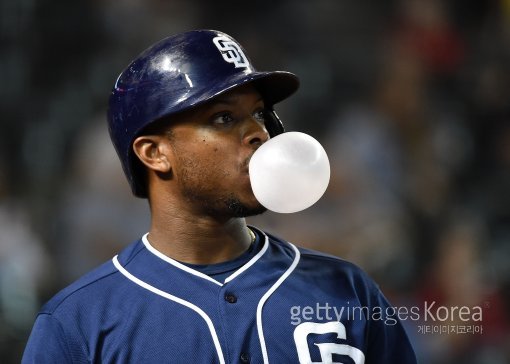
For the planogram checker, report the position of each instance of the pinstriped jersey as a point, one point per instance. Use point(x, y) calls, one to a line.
point(284, 304)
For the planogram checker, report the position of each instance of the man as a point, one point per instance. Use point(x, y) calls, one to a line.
point(202, 287)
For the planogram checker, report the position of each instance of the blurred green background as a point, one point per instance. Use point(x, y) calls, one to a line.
point(409, 98)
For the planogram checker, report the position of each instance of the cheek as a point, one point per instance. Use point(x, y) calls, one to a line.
point(205, 163)
point(207, 153)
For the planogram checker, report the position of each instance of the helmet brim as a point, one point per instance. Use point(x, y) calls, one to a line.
point(274, 87)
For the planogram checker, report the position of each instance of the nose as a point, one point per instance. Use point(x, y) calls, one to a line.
point(255, 133)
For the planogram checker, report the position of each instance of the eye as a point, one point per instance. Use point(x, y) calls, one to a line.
point(222, 118)
point(260, 115)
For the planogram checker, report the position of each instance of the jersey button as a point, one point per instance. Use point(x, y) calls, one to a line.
point(245, 358)
point(230, 298)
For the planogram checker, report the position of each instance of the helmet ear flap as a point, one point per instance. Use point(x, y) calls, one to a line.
point(273, 124)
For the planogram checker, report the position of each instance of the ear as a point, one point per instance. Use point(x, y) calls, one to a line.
point(153, 151)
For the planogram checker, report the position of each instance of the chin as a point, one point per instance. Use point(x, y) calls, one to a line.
point(239, 209)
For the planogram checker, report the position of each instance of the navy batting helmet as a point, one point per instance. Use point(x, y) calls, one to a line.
point(176, 74)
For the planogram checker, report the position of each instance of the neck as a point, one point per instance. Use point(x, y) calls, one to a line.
point(196, 240)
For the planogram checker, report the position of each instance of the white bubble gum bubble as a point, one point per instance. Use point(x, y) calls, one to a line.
point(290, 172)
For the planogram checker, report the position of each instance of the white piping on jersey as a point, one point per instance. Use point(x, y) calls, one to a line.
point(170, 297)
point(266, 296)
point(175, 262)
point(250, 262)
point(190, 270)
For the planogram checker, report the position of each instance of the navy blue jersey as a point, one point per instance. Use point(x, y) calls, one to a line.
point(282, 305)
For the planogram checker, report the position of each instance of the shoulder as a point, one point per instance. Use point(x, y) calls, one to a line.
point(94, 284)
point(328, 266)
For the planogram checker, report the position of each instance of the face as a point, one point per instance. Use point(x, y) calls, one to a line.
point(212, 147)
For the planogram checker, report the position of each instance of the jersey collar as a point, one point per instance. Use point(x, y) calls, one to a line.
point(199, 274)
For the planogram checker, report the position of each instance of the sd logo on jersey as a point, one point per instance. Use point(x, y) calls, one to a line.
point(327, 350)
point(231, 51)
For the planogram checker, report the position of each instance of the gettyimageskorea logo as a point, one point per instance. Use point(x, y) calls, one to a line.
point(430, 317)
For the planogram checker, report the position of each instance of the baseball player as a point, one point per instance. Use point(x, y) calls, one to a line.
point(201, 286)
